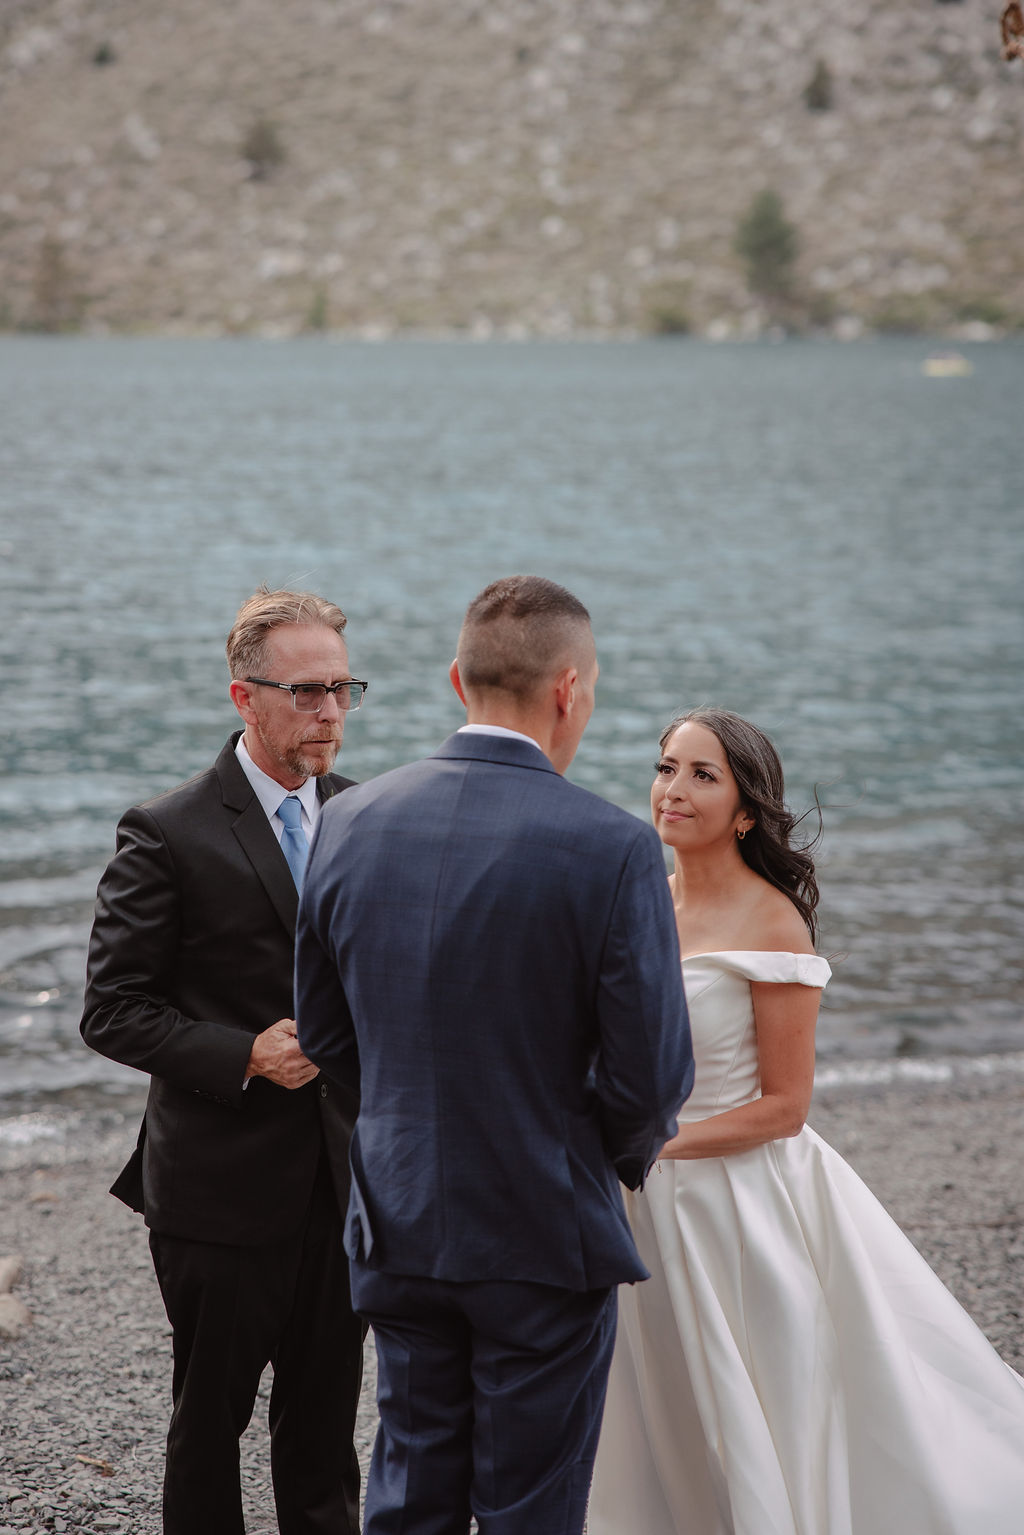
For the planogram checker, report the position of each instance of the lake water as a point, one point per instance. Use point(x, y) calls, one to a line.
point(815, 535)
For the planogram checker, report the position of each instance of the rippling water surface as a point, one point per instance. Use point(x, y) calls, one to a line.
point(817, 536)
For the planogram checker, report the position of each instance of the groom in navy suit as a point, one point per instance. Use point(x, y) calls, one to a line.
point(496, 949)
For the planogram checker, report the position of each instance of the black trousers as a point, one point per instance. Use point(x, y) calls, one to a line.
point(233, 1310)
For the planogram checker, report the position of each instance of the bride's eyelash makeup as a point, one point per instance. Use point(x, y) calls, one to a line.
point(664, 769)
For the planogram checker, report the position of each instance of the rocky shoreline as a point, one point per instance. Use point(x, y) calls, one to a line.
point(84, 1382)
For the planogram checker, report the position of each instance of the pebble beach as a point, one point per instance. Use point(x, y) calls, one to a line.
point(84, 1380)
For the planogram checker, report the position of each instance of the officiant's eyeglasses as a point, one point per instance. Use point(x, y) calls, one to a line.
point(310, 697)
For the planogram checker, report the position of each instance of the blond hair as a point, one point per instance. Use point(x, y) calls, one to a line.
point(266, 611)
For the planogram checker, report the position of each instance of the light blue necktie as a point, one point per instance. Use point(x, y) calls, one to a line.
point(293, 840)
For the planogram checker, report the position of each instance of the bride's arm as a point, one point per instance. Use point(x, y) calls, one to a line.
point(784, 1017)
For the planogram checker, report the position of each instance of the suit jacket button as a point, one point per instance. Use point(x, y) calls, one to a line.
point(323, 1089)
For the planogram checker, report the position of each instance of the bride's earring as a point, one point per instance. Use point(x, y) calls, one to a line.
point(741, 833)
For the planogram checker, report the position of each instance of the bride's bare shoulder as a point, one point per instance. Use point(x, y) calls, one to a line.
point(777, 926)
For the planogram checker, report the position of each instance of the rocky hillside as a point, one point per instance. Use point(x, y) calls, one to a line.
point(504, 166)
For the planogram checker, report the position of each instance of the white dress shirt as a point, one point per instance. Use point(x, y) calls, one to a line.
point(270, 793)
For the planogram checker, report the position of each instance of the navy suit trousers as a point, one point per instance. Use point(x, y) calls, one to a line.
point(490, 1400)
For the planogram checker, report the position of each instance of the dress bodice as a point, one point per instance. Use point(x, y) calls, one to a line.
point(722, 1020)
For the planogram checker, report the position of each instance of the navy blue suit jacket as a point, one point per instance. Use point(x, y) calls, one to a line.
point(497, 947)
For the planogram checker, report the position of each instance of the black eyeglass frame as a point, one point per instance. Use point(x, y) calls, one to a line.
point(332, 687)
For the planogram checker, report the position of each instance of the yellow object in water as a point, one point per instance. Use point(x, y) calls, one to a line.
point(947, 365)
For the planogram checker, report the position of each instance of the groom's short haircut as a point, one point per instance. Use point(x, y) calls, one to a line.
point(519, 632)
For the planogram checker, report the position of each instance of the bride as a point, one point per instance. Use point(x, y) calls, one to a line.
point(792, 1366)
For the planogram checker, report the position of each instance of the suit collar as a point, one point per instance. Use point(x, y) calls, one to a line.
point(498, 730)
point(235, 787)
point(510, 750)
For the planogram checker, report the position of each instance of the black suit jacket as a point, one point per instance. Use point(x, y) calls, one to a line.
point(191, 955)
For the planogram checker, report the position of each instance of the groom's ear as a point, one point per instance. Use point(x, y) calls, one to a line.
point(565, 689)
point(456, 680)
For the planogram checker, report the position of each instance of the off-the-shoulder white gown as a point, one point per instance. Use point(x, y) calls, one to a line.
point(792, 1366)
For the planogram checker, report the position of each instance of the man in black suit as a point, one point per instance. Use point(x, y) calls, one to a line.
point(242, 1165)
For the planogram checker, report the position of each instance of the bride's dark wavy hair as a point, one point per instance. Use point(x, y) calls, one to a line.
point(767, 846)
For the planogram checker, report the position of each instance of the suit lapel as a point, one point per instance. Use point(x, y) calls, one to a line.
point(263, 851)
point(256, 837)
point(255, 833)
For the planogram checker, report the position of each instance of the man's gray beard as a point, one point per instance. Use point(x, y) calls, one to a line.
point(296, 761)
point(311, 767)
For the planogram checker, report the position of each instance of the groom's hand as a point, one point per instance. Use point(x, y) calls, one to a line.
point(276, 1055)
